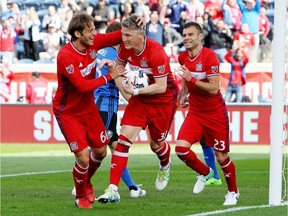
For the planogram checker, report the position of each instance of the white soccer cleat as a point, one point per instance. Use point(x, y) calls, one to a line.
point(231, 198)
point(162, 177)
point(137, 193)
point(110, 195)
point(200, 184)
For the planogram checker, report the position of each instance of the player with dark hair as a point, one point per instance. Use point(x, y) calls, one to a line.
point(107, 100)
point(73, 103)
point(207, 117)
point(152, 106)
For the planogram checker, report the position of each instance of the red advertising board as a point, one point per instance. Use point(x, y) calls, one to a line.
point(249, 124)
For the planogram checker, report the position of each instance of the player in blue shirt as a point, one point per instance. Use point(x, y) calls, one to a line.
point(106, 98)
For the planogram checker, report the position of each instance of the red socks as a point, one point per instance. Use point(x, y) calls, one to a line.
point(229, 171)
point(163, 153)
point(80, 180)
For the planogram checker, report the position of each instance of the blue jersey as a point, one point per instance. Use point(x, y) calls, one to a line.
point(106, 96)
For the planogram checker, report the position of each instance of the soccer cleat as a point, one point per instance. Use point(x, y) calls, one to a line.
point(231, 198)
point(109, 196)
point(162, 178)
point(83, 203)
point(137, 193)
point(200, 184)
point(213, 181)
point(90, 195)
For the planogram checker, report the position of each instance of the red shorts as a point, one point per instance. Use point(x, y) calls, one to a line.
point(214, 129)
point(157, 118)
point(83, 130)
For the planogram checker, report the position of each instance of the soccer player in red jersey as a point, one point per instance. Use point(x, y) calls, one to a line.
point(73, 103)
point(207, 116)
point(36, 90)
point(152, 106)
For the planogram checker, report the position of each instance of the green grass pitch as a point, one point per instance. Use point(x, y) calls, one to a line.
point(37, 180)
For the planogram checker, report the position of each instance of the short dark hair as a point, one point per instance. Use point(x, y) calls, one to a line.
point(78, 23)
point(115, 26)
point(196, 25)
point(36, 74)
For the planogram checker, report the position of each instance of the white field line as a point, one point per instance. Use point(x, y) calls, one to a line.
point(234, 210)
point(33, 173)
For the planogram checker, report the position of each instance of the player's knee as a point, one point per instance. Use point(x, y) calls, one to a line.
point(99, 153)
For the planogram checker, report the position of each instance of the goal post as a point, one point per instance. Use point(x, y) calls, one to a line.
point(278, 101)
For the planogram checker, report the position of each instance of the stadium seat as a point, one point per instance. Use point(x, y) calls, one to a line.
point(43, 61)
point(47, 3)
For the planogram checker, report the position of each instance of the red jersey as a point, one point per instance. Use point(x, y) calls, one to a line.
point(36, 91)
point(247, 40)
point(204, 64)
point(76, 75)
point(7, 40)
point(155, 63)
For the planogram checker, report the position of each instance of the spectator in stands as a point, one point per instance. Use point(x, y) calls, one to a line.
point(220, 38)
point(205, 31)
point(250, 14)
point(232, 14)
point(244, 39)
point(264, 28)
point(5, 95)
point(6, 73)
point(114, 9)
point(174, 12)
point(101, 15)
point(36, 90)
point(51, 43)
point(32, 34)
point(174, 54)
point(194, 9)
point(171, 38)
point(126, 10)
point(63, 8)
point(238, 60)
point(214, 9)
point(63, 32)
point(51, 17)
point(143, 10)
point(7, 37)
point(81, 5)
point(154, 28)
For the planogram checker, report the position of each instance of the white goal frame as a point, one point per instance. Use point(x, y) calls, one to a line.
point(279, 101)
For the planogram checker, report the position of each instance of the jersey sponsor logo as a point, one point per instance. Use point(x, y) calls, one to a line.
point(70, 69)
point(161, 69)
point(86, 71)
point(199, 67)
point(214, 69)
point(73, 146)
point(93, 54)
point(199, 76)
point(143, 63)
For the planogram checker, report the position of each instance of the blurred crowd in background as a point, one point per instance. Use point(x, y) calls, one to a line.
point(34, 30)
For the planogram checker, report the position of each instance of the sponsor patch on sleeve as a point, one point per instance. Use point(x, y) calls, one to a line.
point(70, 69)
point(214, 69)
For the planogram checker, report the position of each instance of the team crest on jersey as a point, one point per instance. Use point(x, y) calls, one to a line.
point(93, 54)
point(73, 146)
point(110, 134)
point(70, 69)
point(161, 69)
point(199, 67)
point(214, 69)
point(143, 63)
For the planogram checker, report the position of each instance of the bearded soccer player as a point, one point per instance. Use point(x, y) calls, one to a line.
point(73, 104)
point(153, 106)
point(207, 116)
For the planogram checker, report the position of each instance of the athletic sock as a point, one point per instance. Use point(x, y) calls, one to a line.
point(126, 177)
point(163, 153)
point(93, 166)
point(80, 180)
point(119, 159)
point(229, 171)
point(190, 159)
point(209, 157)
